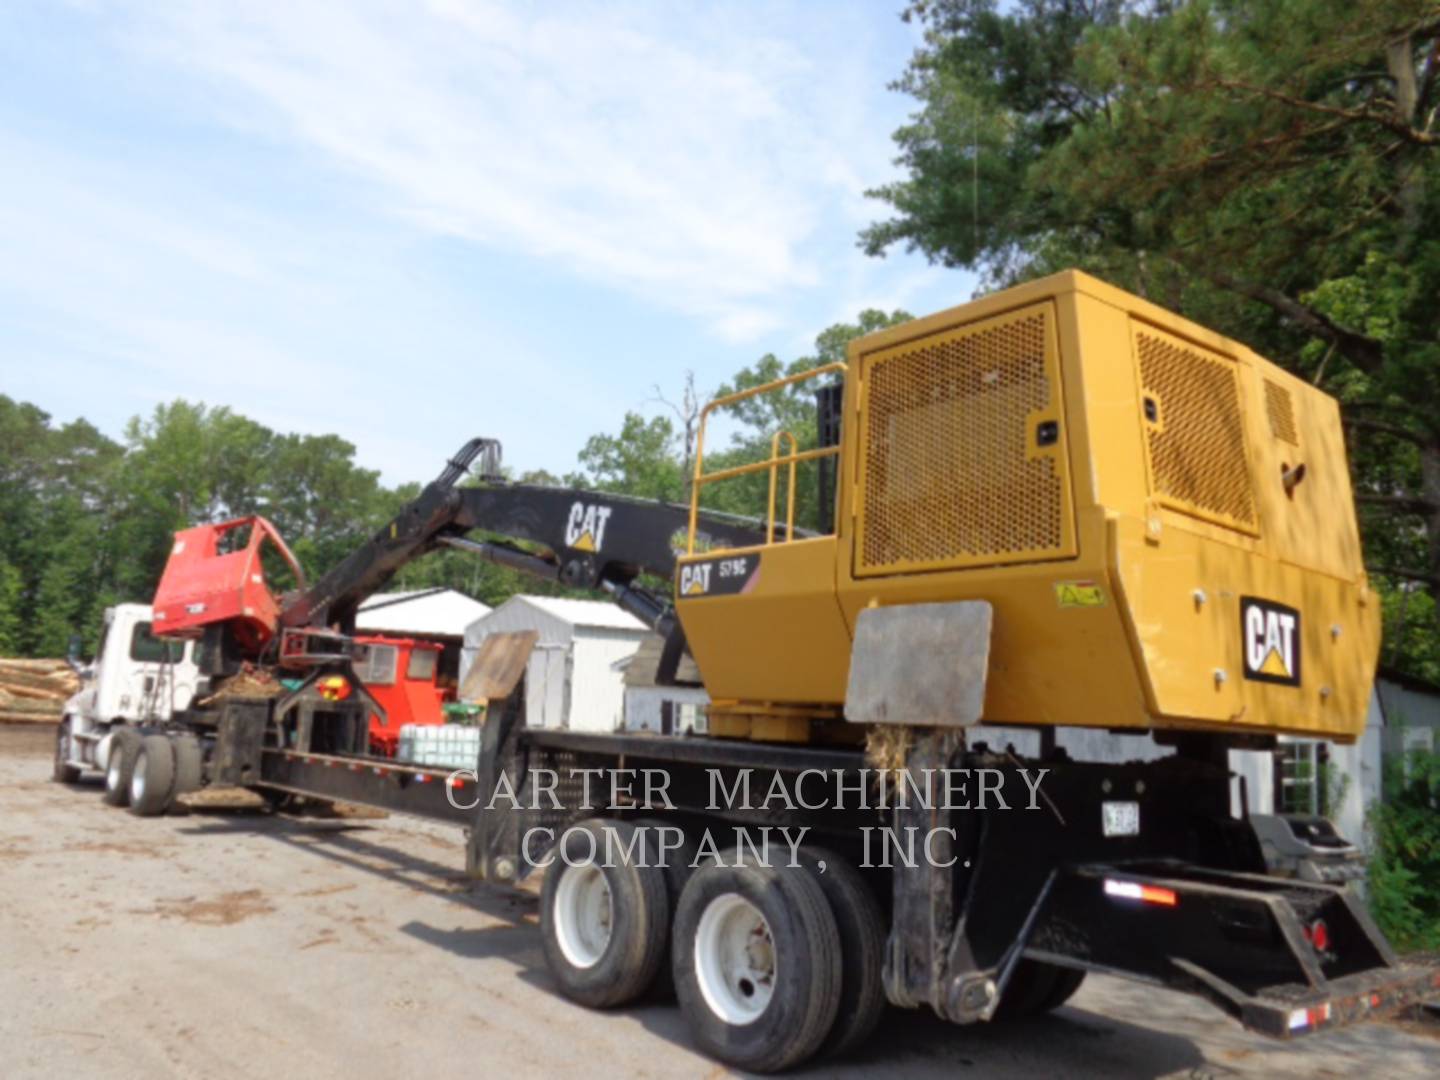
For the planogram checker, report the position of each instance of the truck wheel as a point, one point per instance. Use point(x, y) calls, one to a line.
point(677, 865)
point(152, 781)
point(862, 948)
point(64, 772)
point(189, 764)
point(757, 964)
point(120, 765)
point(603, 922)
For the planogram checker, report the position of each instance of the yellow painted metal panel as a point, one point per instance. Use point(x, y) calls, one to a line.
point(963, 459)
point(1195, 436)
point(783, 639)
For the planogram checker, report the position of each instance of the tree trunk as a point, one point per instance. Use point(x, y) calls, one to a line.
point(1430, 490)
point(1400, 63)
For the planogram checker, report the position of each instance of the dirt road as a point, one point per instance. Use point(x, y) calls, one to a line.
point(256, 946)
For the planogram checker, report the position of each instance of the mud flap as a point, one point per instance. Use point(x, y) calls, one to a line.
point(920, 664)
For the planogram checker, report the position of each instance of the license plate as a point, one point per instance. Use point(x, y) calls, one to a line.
point(1120, 818)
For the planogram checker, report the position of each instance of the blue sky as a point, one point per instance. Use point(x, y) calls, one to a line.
point(413, 222)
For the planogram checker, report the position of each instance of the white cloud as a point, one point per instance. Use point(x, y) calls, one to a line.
point(687, 155)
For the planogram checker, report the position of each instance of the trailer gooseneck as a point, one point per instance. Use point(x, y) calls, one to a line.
point(1057, 507)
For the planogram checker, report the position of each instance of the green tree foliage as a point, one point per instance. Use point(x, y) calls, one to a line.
point(1266, 167)
point(754, 423)
point(86, 521)
point(11, 609)
point(643, 459)
point(1405, 867)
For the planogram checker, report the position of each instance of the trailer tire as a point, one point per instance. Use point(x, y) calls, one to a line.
point(603, 926)
point(678, 865)
point(120, 765)
point(757, 964)
point(64, 772)
point(861, 923)
point(1066, 983)
point(1029, 988)
point(189, 764)
point(152, 781)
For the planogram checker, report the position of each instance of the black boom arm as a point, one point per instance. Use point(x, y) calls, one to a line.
point(586, 539)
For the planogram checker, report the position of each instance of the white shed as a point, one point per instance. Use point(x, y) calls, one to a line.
point(663, 710)
point(423, 613)
point(575, 678)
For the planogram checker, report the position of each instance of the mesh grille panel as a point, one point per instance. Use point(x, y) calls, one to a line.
point(951, 474)
point(1197, 450)
point(1282, 413)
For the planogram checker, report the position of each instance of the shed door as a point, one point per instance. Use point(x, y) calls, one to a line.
point(545, 687)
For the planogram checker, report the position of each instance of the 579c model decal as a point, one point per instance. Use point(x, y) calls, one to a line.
point(725, 576)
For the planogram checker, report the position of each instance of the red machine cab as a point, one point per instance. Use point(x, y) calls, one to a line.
point(215, 574)
point(402, 674)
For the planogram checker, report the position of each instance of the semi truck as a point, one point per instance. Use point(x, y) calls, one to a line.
point(137, 682)
point(1059, 506)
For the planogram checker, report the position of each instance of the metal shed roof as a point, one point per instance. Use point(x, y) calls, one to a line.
point(599, 613)
point(422, 612)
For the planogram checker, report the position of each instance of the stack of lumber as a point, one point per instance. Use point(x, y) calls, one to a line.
point(34, 691)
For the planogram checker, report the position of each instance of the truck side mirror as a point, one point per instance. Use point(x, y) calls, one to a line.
point(72, 652)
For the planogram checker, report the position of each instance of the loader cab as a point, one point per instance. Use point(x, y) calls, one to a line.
point(136, 676)
point(1158, 520)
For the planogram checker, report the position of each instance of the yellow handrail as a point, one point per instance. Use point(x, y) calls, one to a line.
point(789, 487)
point(699, 478)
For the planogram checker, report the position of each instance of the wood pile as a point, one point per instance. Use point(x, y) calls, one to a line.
point(34, 691)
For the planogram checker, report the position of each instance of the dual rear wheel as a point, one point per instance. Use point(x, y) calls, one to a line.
point(146, 772)
point(771, 964)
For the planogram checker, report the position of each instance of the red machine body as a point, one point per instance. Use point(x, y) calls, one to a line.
point(204, 584)
point(402, 674)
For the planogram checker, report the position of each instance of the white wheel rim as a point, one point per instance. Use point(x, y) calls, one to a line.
point(735, 960)
point(584, 914)
point(137, 779)
point(112, 770)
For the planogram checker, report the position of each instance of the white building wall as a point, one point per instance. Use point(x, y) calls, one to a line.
point(643, 705)
point(597, 685)
point(511, 616)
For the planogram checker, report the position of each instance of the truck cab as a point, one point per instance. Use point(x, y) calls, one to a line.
point(135, 678)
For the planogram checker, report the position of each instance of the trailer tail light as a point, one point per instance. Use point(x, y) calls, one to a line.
point(1146, 894)
point(1318, 934)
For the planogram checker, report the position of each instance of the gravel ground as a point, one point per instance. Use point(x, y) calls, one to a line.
point(258, 946)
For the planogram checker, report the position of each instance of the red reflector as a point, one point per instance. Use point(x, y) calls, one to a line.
point(1153, 894)
point(1133, 890)
point(1319, 935)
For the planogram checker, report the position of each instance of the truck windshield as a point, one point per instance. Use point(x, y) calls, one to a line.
point(146, 648)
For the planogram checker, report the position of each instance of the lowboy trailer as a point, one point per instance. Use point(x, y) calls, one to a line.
point(1056, 507)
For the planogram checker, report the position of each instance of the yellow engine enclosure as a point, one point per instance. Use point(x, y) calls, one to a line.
point(1161, 520)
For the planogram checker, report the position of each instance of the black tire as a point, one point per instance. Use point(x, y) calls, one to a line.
point(1066, 983)
point(861, 923)
point(616, 966)
point(120, 765)
point(1030, 985)
point(64, 772)
point(189, 764)
point(804, 976)
point(676, 862)
point(153, 778)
